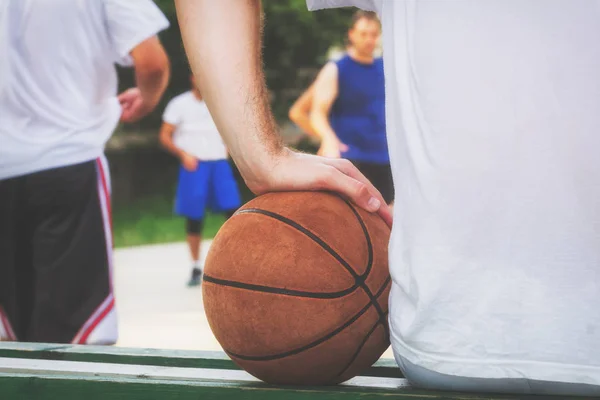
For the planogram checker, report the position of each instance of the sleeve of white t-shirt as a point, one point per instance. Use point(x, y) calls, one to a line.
point(172, 113)
point(367, 5)
point(130, 22)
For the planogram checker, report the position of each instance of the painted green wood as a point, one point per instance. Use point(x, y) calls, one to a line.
point(67, 388)
point(174, 358)
point(106, 354)
point(34, 379)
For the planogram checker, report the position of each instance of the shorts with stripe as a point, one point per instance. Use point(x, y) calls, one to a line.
point(56, 256)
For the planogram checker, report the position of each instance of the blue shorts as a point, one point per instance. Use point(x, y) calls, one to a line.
point(212, 185)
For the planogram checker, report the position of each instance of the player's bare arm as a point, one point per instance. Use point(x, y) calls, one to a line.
point(152, 76)
point(188, 161)
point(300, 112)
point(325, 93)
point(223, 43)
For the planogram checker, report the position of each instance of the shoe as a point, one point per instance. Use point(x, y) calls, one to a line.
point(196, 278)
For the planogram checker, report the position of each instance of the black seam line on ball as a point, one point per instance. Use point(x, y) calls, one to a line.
point(360, 279)
point(314, 238)
point(363, 284)
point(316, 342)
point(285, 292)
point(359, 349)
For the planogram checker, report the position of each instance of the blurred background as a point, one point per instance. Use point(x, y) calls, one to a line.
point(297, 43)
point(152, 263)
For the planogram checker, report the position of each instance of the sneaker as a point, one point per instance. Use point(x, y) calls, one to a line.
point(196, 277)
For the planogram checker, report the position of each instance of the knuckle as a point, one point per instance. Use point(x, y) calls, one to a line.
point(362, 190)
point(346, 165)
point(327, 177)
point(344, 162)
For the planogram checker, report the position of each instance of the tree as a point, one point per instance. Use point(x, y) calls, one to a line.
point(296, 42)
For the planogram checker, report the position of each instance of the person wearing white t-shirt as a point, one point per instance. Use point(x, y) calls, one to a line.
point(492, 123)
point(206, 179)
point(58, 107)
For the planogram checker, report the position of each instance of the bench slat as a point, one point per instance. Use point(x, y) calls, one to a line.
point(49, 380)
point(161, 357)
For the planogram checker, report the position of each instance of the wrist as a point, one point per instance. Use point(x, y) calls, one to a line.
point(148, 105)
point(329, 137)
point(257, 170)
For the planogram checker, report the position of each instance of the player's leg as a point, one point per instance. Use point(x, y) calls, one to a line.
point(225, 190)
point(385, 182)
point(380, 176)
point(194, 240)
point(16, 280)
point(190, 203)
point(69, 209)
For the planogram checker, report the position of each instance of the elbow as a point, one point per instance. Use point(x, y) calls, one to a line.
point(157, 70)
point(163, 140)
point(314, 120)
point(151, 62)
point(294, 115)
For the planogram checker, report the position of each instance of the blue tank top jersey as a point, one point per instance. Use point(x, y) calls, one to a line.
point(358, 114)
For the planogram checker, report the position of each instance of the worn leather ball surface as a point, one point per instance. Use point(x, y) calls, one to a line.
point(296, 288)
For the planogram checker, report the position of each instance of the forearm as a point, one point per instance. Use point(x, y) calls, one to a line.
point(321, 126)
point(152, 75)
point(168, 144)
point(303, 121)
point(152, 86)
point(223, 43)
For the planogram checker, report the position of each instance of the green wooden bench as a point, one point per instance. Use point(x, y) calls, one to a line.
point(49, 371)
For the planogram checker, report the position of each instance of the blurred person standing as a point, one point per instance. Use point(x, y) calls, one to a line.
point(206, 179)
point(345, 106)
point(59, 106)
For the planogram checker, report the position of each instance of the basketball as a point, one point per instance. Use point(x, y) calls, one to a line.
point(296, 288)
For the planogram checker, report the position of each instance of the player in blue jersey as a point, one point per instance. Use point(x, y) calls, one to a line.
point(345, 106)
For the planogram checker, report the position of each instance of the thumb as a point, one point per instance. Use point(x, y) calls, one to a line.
point(355, 190)
point(127, 96)
point(343, 147)
point(124, 98)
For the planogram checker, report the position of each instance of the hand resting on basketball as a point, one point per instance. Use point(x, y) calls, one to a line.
point(223, 41)
point(293, 171)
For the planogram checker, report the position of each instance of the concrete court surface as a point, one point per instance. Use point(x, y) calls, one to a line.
point(155, 308)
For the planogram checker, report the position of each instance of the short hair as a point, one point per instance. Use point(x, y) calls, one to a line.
point(361, 14)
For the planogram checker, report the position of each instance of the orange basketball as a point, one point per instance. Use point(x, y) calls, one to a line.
point(296, 288)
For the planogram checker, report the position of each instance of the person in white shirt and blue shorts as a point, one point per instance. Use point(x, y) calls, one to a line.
point(206, 179)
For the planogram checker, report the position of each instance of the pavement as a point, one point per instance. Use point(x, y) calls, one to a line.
point(155, 308)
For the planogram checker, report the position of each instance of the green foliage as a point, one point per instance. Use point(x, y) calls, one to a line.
point(296, 39)
point(151, 221)
point(167, 7)
point(295, 46)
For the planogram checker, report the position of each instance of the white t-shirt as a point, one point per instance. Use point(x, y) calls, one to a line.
point(58, 82)
point(493, 121)
point(196, 132)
